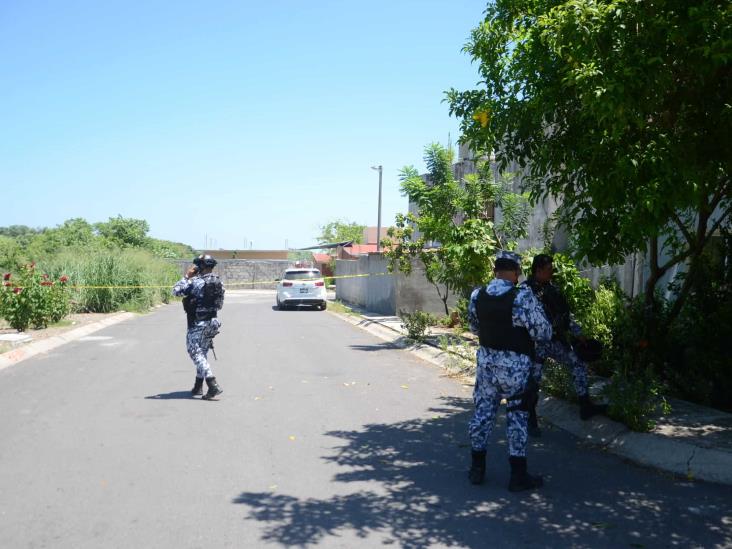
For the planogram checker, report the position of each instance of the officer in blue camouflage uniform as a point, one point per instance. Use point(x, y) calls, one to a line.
point(566, 333)
point(203, 297)
point(508, 320)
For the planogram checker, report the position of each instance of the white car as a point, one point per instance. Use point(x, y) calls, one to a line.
point(301, 286)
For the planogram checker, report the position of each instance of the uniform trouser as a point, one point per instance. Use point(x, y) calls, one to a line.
point(563, 354)
point(198, 343)
point(491, 385)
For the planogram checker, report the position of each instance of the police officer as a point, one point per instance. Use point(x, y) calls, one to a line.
point(508, 320)
point(565, 331)
point(203, 296)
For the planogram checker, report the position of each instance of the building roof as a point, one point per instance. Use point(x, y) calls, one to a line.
point(321, 258)
point(356, 249)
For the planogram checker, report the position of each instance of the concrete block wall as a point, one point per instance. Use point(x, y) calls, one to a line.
point(375, 293)
point(386, 293)
point(416, 293)
point(258, 274)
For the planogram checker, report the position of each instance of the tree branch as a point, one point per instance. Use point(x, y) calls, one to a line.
point(674, 260)
point(677, 219)
point(716, 225)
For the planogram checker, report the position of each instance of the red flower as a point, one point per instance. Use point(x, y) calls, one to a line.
point(45, 277)
point(643, 344)
point(64, 279)
point(7, 283)
point(17, 290)
point(6, 276)
point(46, 283)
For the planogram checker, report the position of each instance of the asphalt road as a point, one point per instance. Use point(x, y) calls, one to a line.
point(324, 436)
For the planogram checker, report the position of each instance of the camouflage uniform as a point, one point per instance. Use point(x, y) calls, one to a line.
point(559, 348)
point(200, 332)
point(501, 374)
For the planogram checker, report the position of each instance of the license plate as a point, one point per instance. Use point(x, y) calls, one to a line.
point(304, 290)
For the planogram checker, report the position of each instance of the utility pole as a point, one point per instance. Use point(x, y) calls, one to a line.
point(378, 219)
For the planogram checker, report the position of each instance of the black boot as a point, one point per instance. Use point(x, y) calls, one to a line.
point(198, 387)
point(533, 424)
point(520, 479)
point(477, 468)
point(213, 389)
point(589, 409)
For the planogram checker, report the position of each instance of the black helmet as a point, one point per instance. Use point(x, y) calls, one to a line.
point(204, 262)
point(589, 350)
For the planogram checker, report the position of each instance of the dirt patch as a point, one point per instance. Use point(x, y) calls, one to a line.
point(71, 322)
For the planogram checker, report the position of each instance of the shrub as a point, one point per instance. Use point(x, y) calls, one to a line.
point(634, 398)
point(461, 308)
point(557, 381)
point(416, 323)
point(33, 299)
point(697, 365)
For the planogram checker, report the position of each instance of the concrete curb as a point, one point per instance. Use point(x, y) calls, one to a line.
point(666, 453)
point(661, 452)
point(43, 346)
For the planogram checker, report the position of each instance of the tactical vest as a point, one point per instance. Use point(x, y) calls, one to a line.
point(212, 299)
point(555, 307)
point(495, 322)
point(189, 306)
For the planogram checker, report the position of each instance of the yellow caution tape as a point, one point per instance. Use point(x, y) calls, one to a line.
point(228, 284)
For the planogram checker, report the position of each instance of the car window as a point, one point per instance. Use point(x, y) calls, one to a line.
point(302, 275)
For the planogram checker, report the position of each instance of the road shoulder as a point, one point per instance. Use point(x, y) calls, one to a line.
point(47, 343)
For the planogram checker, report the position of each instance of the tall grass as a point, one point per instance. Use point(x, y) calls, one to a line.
point(113, 280)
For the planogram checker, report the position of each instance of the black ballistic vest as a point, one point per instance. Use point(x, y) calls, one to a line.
point(495, 323)
point(555, 306)
point(213, 298)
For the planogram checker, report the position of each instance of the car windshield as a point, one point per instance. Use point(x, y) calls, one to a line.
point(302, 275)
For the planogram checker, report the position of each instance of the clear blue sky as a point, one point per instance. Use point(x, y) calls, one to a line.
point(236, 120)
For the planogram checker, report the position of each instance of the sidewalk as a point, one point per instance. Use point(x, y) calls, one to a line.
point(693, 441)
point(35, 347)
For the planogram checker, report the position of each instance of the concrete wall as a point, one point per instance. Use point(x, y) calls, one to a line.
point(376, 292)
point(386, 294)
point(416, 293)
point(233, 271)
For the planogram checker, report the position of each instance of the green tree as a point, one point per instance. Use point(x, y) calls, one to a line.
point(619, 108)
point(456, 220)
point(124, 231)
point(10, 253)
point(340, 231)
point(20, 233)
point(169, 250)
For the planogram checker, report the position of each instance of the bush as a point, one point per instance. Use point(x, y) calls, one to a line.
point(697, 365)
point(557, 381)
point(634, 398)
point(416, 323)
point(461, 308)
point(33, 299)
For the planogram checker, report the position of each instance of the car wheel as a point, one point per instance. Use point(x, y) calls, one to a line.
point(323, 306)
point(280, 306)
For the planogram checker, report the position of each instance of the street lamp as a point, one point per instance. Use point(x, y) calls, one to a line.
point(378, 219)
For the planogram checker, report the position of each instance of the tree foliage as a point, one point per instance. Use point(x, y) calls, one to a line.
point(453, 232)
point(124, 232)
point(20, 244)
point(619, 108)
point(339, 231)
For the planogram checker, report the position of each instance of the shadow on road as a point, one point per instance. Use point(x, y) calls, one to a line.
point(173, 395)
point(423, 497)
point(376, 347)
